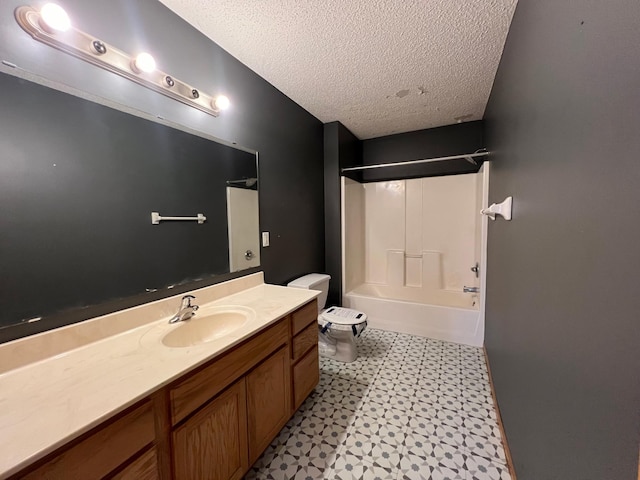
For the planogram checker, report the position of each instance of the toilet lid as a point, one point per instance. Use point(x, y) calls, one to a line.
point(343, 316)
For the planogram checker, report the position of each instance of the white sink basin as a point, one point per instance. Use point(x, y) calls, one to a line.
point(208, 325)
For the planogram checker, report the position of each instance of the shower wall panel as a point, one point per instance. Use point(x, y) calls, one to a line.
point(384, 226)
point(448, 225)
point(431, 221)
point(353, 249)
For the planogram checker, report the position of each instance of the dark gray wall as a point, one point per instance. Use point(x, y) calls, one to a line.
point(562, 322)
point(422, 144)
point(288, 139)
point(341, 149)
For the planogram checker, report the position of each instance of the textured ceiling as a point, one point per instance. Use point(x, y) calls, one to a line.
point(378, 66)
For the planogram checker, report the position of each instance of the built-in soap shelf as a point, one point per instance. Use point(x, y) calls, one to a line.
point(422, 269)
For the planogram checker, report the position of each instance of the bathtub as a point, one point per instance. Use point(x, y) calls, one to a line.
point(441, 314)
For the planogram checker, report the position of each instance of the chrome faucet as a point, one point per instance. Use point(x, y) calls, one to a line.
point(186, 310)
point(466, 289)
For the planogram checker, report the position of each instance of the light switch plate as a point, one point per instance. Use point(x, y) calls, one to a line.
point(265, 239)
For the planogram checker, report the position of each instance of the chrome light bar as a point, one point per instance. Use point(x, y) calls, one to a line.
point(63, 36)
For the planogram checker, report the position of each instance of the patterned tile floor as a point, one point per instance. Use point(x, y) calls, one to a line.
point(408, 408)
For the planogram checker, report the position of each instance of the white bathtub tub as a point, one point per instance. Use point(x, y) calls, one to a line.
point(441, 314)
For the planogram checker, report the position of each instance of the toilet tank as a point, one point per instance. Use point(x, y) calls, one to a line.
point(314, 281)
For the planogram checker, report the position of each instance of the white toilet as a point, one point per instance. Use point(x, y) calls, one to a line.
point(342, 325)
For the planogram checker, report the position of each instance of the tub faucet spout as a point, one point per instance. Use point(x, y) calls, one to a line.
point(186, 310)
point(466, 289)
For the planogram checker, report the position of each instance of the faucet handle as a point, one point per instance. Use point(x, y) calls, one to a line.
point(186, 300)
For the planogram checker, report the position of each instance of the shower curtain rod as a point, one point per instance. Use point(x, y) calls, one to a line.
point(468, 157)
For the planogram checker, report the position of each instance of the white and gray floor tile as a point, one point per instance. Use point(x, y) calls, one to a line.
point(408, 408)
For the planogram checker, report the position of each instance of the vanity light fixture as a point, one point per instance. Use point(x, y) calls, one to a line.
point(51, 25)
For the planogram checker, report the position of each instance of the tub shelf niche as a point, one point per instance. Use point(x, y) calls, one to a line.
point(423, 270)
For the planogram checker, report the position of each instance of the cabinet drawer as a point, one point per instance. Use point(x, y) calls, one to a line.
point(103, 451)
point(198, 388)
point(306, 374)
point(304, 316)
point(303, 341)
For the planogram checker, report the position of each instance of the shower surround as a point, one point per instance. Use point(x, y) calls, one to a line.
point(409, 246)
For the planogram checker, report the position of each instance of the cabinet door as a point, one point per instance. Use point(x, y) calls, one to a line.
point(268, 401)
point(212, 445)
point(306, 374)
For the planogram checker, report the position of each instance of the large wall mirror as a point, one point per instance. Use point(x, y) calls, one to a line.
point(78, 184)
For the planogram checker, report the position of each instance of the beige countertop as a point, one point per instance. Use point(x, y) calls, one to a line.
point(45, 404)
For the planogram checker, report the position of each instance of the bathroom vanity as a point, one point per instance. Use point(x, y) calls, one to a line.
point(130, 407)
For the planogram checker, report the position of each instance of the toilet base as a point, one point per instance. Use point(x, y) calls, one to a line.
point(346, 348)
point(342, 326)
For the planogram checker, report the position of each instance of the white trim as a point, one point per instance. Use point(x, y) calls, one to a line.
point(484, 171)
point(343, 242)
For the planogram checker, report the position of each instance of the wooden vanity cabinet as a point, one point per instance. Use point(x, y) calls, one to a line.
point(220, 430)
point(305, 369)
point(197, 388)
point(212, 423)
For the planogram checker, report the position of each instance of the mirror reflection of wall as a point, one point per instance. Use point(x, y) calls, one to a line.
point(78, 183)
point(242, 218)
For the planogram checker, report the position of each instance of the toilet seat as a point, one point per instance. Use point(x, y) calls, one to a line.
point(343, 319)
point(343, 316)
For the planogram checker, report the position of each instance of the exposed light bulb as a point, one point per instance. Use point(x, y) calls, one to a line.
point(54, 18)
point(221, 102)
point(144, 63)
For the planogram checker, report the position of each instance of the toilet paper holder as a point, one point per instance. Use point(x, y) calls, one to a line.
point(503, 209)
